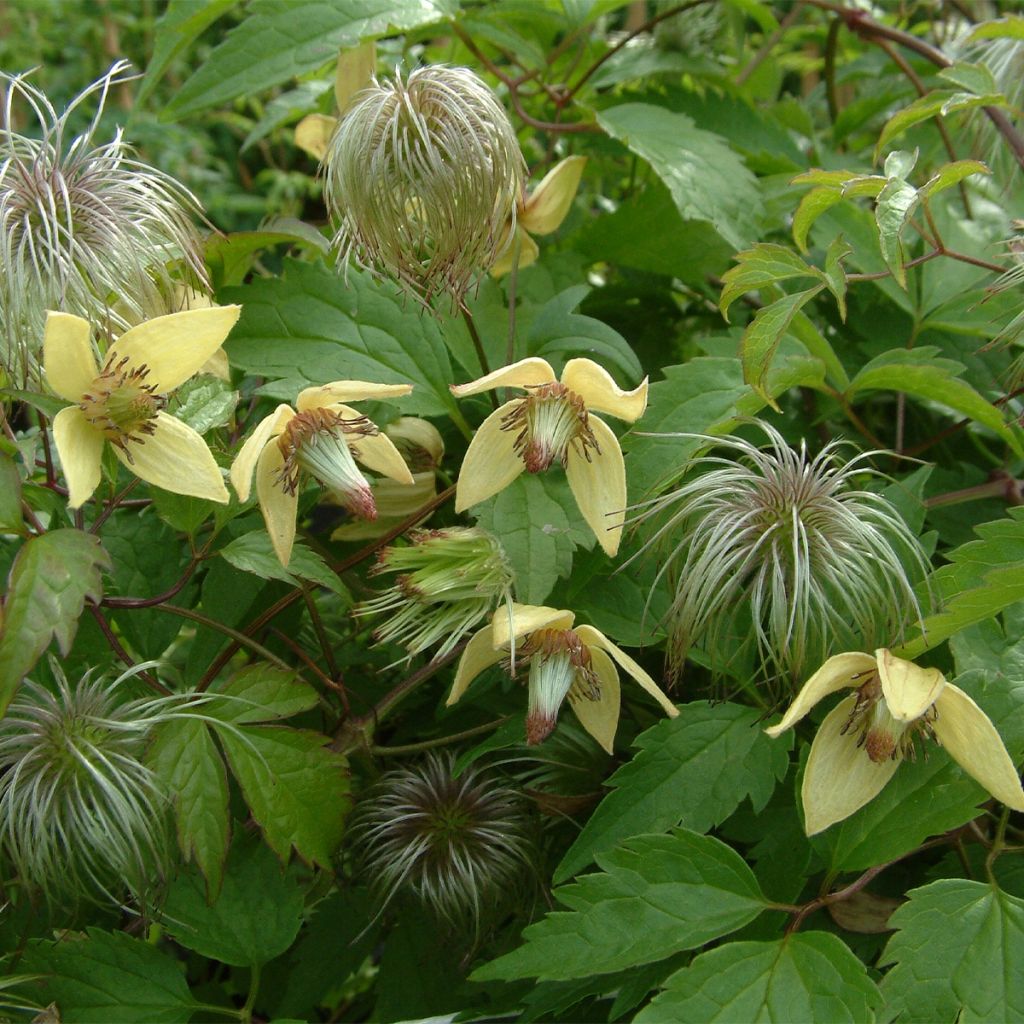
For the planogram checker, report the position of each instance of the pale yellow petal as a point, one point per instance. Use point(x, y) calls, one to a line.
point(525, 373)
point(908, 689)
point(347, 391)
point(175, 346)
point(522, 619)
point(245, 461)
point(598, 484)
point(839, 672)
point(491, 462)
point(354, 72)
point(217, 366)
point(395, 502)
point(313, 134)
point(594, 638)
point(419, 433)
point(972, 741)
point(378, 453)
point(480, 653)
point(600, 393)
point(840, 778)
point(279, 508)
point(600, 717)
point(528, 253)
point(67, 356)
point(80, 447)
point(550, 201)
point(175, 458)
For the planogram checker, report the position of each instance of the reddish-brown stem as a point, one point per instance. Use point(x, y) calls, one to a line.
point(769, 44)
point(115, 645)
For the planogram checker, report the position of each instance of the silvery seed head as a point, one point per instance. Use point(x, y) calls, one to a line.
point(422, 178)
point(84, 227)
point(81, 815)
point(461, 845)
point(783, 551)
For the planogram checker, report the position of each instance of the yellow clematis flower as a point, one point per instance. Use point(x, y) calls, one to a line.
point(553, 424)
point(541, 212)
point(578, 662)
point(321, 437)
point(860, 744)
point(123, 402)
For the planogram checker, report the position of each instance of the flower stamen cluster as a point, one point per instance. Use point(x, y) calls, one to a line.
point(549, 420)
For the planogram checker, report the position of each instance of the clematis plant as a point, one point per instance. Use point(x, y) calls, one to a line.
point(578, 662)
point(553, 423)
point(322, 436)
point(862, 741)
point(123, 401)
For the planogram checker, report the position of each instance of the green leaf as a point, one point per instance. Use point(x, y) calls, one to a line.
point(182, 23)
point(974, 78)
point(296, 788)
point(535, 532)
point(808, 976)
point(763, 334)
point(957, 952)
point(923, 373)
point(314, 325)
point(277, 42)
point(253, 552)
point(838, 250)
point(1010, 27)
point(52, 577)
point(767, 263)
point(205, 402)
point(181, 511)
point(714, 753)
point(188, 762)
point(558, 334)
point(10, 496)
point(983, 577)
point(654, 896)
point(941, 101)
point(811, 207)
point(708, 180)
point(896, 202)
point(951, 174)
point(260, 693)
point(230, 257)
point(255, 917)
point(110, 978)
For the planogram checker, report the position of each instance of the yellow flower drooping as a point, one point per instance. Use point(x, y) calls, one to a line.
point(578, 662)
point(321, 437)
point(553, 423)
point(123, 401)
point(862, 741)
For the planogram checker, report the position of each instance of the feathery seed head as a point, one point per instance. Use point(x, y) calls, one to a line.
point(422, 177)
point(461, 845)
point(84, 227)
point(776, 548)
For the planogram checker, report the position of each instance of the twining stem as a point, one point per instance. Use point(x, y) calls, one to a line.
point(478, 345)
point(441, 741)
point(112, 505)
point(115, 645)
point(321, 634)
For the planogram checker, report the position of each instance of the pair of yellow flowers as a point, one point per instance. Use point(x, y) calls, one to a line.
point(858, 746)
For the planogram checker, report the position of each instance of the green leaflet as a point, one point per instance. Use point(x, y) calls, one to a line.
point(806, 977)
point(655, 895)
point(253, 552)
point(957, 951)
point(714, 753)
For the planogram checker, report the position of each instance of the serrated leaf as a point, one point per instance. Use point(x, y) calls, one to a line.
point(714, 753)
point(763, 334)
point(957, 952)
point(314, 325)
point(253, 552)
point(654, 896)
point(896, 202)
point(110, 978)
point(296, 788)
point(255, 917)
point(535, 532)
point(708, 180)
point(983, 577)
point(189, 764)
point(765, 264)
point(260, 693)
point(52, 577)
point(558, 334)
point(941, 101)
point(277, 42)
point(808, 976)
point(230, 257)
point(923, 373)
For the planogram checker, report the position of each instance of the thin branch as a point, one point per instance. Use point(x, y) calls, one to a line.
point(769, 44)
point(321, 635)
point(441, 741)
point(115, 645)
